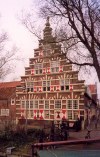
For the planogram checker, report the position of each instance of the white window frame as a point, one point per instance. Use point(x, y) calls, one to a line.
point(4, 112)
point(58, 104)
point(47, 104)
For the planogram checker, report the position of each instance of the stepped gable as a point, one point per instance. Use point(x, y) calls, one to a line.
point(50, 89)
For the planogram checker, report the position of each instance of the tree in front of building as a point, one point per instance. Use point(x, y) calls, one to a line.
point(78, 30)
point(7, 55)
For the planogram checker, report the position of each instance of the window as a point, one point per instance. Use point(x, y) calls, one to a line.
point(46, 114)
point(12, 101)
point(75, 104)
point(29, 86)
point(69, 114)
point(31, 104)
point(57, 104)
point(23, 104)
point(27, 104)
point(64, 84)
point(75, 115)
point(36, 104)
point(4, 112)
point(46, 104)
point(69, 104)
point(46, 85)
point(31, 113)
point(38, 68)
point(55, 66)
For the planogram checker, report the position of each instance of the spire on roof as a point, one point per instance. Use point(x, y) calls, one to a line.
point(47, 30)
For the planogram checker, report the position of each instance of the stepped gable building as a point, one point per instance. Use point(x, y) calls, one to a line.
point(50, 89)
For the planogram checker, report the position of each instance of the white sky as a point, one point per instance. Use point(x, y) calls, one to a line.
point(10, 10)
point(19, 35)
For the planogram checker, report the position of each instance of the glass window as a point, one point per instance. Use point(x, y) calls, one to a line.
point(62, 87)
point(62, 82)
point(23, 104)
point(69, 104)
point(69, 114)
point(67, 81)
point(44, 88)
point(31, 104)
point(41, 101)
point(57, 104)
point(46, 114)
point(48, 83)
point(27, 104)
point(38, 66)
point(31, 113)
point(75, 104)
point(44, 83)
point(67, 87)
point(36, 104)
point(46, 104)
point(29, 86)
point(55, 64)
point(75, 115)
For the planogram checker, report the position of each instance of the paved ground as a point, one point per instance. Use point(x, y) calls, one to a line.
point(81, 134)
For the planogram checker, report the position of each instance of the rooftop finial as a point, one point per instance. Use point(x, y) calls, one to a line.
point(48, 19)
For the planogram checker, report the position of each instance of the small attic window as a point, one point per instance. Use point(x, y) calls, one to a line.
point(12, 101)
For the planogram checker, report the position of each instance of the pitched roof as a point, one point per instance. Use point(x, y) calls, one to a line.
point(9, 84)
point(8, 89)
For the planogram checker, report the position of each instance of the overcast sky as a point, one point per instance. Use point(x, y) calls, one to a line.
point(10, 10)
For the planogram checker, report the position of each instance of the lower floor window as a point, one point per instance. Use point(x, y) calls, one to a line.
point(69, 114)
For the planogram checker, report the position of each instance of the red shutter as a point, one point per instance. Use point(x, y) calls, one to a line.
point(32, 71)
point(44, 71)
point(41, 53)
point(40, 89)
point(63, 114)
point(35, 89)
point(51, 88)
point(71, 87)
point(41, 114)
point(35, 114)
point(60, 69)
point(48, 70)
point(57, 88)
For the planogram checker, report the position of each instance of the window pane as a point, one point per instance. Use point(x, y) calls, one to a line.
point(44, 88)
point(31, 104)
point(62, 82)
point(75, 115)
point(57, 103)
point(66, 81)
point(44, 83)
point(48, 83)
point(46, 104)
point(69, 104)
point(69, 114)
point(46, 114)
point(67, 87)
point(23, 104)
point(36, 104)
point(75, 104)
point(27, 104)
point(62, 87)
point(31, 113)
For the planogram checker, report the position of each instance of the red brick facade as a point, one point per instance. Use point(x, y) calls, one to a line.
point(50, 89)
point(7, 103)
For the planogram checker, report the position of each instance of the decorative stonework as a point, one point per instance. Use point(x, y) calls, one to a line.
point(52, 89)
